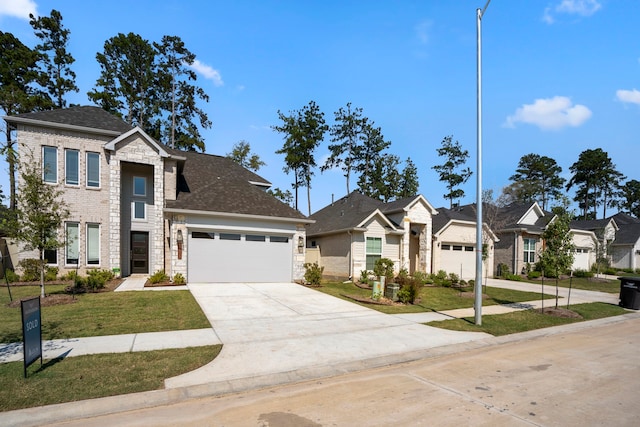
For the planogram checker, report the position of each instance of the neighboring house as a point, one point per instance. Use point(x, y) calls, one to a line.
point(604, 231)
point(625, 249)
point(352, 233)
point(520, 232)
point(138, 207)
point(454, 242)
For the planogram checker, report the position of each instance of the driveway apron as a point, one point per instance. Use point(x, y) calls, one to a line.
point(275, 332)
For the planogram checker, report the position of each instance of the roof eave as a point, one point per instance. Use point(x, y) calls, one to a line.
point(237, 215)
point(61, 126)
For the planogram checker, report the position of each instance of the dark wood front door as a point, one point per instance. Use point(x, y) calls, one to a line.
point(139, 252)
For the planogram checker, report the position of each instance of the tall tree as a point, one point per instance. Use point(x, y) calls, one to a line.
point(450, 171)
point(347, 135)
point(126, 86)
point(39, 214)
point(383, 180)
point(369, 157)
point(409, 184)
point(539, 179)
point(630, 197)
point(304, 130)
point(284, 196)
point(179, 96)
point(19, 93)
point(596, 177)
point(557, 255)
point(59, 78)
point(241, 154)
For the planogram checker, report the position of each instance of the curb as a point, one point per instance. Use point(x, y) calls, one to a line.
point(116, 404)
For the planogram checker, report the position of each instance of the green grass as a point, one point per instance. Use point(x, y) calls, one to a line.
point(526, 320)
point(105, 313)
point(88, 377)
point(588, 284)
point(432, 298)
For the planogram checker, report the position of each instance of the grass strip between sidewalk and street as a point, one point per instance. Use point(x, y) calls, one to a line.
point(431, 298)
point(103, 313)
point(527, 320)
point(585, 283)
point(87, 377)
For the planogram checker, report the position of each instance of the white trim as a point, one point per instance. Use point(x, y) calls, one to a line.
point(66, 244)
point(133, 181)
point(87, 246)
point(53, 125)
point(66, 167)
point(87, 170)
point(239, 216)
point(44, 167)
point(111, 145)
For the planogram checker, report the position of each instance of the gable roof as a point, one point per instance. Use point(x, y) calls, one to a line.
point(627, 234)
point(405, 204)
point(344, 214)
point(461, 214)
point(210, 183)
point(81, 118)
point(512, 217)
point(592, 224)
point(111, 145)
point(622, 218)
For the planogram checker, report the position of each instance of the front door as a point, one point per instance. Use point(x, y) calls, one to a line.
point(139, 252)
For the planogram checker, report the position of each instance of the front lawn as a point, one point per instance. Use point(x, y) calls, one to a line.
point(526, 320)
point(588, 284)
point(104, 313)
point(432, 298)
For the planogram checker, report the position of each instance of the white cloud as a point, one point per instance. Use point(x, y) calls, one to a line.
point(571, 7)
point(550, 114)
point(18, 8)
point(630, 96)
point(422, 31)
point(207, 72)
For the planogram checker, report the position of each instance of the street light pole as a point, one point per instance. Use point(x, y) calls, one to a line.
point(479, 246)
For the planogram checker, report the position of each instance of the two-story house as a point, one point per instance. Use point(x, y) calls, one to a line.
point(138, 207)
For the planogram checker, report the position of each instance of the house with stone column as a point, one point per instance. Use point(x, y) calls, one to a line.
point(138, 207)
point(348, 236)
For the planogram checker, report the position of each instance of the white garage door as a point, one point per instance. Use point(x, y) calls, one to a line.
point(238, 257)
point(458, 259)
point(581, 259)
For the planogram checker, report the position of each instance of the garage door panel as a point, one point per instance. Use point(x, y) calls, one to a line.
point(249, 259)
point(461, 262)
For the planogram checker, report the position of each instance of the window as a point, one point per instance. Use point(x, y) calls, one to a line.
point(51, 256)
point(374, 251)
point(72, 243)
point(529, 250)
point(446, 247)
point(50, 164)
point(255, 238)
point(139, 208)
point(139, 186)
point(202, 235)
point(71, 167)
point(229, 236)
point(93, 244)
point(457, 247)
point(278, 239)
point(468, 248)
point(93, 170)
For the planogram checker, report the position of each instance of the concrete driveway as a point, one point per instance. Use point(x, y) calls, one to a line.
point(281, 332)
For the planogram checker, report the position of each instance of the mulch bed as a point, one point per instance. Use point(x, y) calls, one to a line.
point(61, 298)
point(148, 284)
point(559, 312)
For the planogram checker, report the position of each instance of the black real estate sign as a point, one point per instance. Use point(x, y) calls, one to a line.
point(31, 331)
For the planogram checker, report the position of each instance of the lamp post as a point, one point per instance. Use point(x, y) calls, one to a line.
point(478, 281)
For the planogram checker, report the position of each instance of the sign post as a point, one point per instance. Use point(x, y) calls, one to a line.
point(31, 331)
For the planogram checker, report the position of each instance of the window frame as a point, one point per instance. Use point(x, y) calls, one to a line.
point(67, 243)
point(92, 225)
point(88, 182)
point(133, 181)
point(529, 250)
point(135, 203)
point(67, 168)
point(371, 256)
point(45, 148)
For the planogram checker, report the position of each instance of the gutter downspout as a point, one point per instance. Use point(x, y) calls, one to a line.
point(350, 255)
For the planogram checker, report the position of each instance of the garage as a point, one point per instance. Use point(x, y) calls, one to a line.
point(459, 259)
point(231, 256)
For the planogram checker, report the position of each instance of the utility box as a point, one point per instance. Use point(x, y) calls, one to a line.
point(630, 292)
point(391, 291)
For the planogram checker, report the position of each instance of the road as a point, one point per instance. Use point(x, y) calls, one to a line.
point(586, 374)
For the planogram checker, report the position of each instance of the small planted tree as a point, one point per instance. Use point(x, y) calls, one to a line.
point(39, 214)
point(557, 255)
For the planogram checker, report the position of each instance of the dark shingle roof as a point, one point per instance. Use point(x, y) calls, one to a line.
point(462, 213)
point(343, 214)
point(622, 218)
point(218, 184)
point(627, 234)
point(509, 216)
point(590, 224)
point(83, 116)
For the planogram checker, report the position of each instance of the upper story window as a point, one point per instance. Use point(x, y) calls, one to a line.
point(71, 167)
point(529, 250)
point(50, 164)
point(93, 170)
point(139, 186)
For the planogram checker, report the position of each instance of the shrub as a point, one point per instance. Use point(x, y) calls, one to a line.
point(472, 282)
point(50, 273)
point(533, 274)
point(30, 269)
point(582, 273)
point(179, 279)
point(403, 274)
point(454, 278)
point(313, 273)
point(514, 277)
point(463, 283)
point(364, 276)
point(441, 276)
point(503, 270)
point(384, 267)
point(422, 278)
point(11, 275)
point(158, 276)
point(409, 291)
point(96, 279)
point(610, 271)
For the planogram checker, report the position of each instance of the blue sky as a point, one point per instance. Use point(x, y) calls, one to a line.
point(559, 76)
